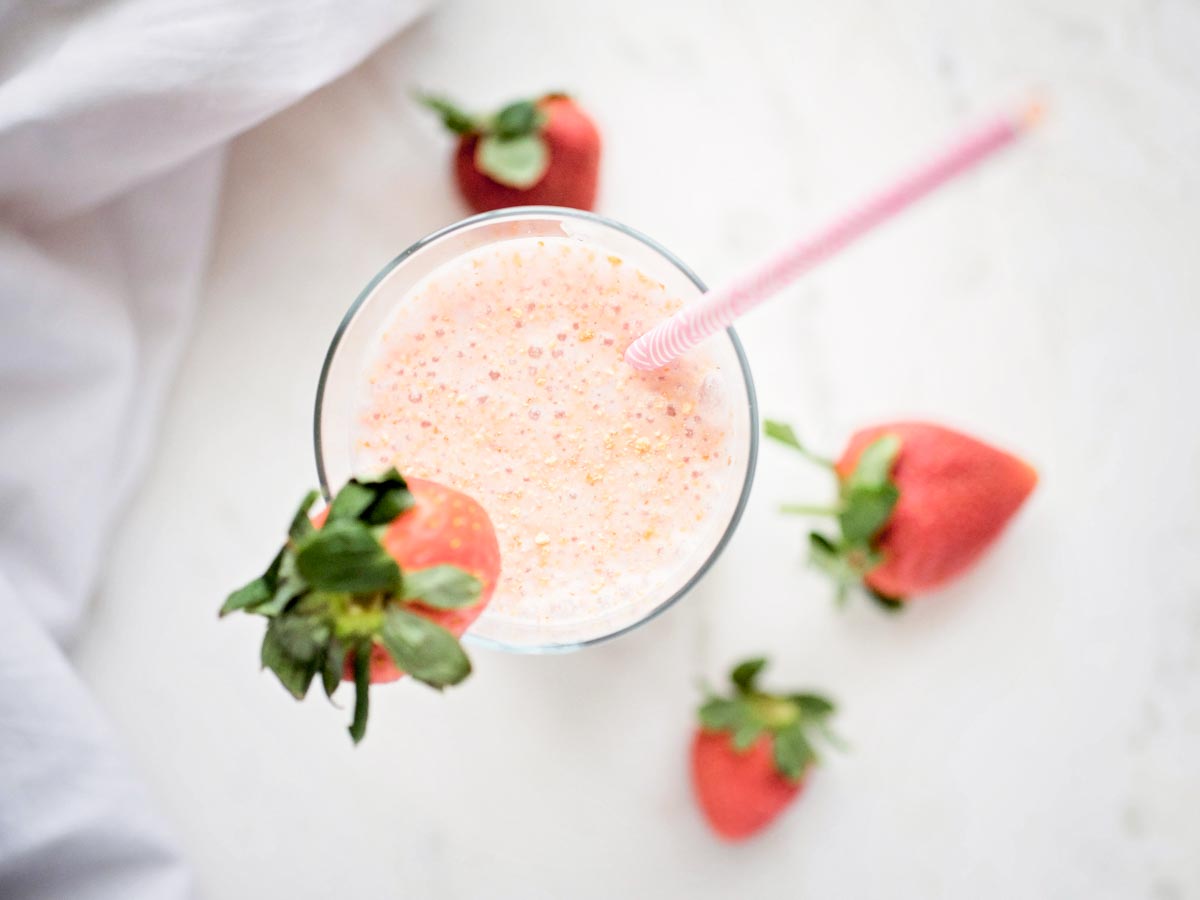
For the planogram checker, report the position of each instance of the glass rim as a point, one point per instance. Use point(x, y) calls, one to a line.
point(521, 212)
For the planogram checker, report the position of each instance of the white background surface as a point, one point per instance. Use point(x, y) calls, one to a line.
point(1031, 731)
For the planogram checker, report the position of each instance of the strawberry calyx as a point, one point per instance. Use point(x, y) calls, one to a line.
point(866, 498)
point(790, 721)
point(332, 593)
point(511, 149)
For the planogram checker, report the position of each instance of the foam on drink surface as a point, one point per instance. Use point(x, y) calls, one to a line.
point(501, 375)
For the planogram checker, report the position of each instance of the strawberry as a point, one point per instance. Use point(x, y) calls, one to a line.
point(381, 583)
point(753, 752)
point(918, 504)
point(443, 528)
point(543, 152)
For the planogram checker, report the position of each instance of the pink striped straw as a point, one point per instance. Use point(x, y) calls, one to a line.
point(718, 309)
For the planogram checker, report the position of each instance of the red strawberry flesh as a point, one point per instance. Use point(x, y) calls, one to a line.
point(956, 496)
point(739, 793)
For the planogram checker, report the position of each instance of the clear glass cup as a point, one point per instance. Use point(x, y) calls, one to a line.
point(339, 391)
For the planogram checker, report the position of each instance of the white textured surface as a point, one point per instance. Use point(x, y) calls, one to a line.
point(1032, 731)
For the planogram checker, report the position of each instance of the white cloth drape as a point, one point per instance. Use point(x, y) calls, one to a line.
point(113, 116)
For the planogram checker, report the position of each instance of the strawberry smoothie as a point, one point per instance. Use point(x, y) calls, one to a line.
point(500, 374)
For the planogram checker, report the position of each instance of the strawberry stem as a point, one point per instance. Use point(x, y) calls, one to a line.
point(786, 435)
point(454, 118)
point(823, 461)
point(802, 509)
point(362, 683)
point(774, 712)
point(867, 496)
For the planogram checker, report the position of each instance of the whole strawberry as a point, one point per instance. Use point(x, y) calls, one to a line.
point(753, 751)
point(918, 504)
point(380, 584)
point(543, 152)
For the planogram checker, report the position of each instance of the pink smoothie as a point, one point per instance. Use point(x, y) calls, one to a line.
point(500, 374)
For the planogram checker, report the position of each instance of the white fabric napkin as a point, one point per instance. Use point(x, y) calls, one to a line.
point(113, 116)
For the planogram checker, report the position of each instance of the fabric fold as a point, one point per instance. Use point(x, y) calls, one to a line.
point(113, 121)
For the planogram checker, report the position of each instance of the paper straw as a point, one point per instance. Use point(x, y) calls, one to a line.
point(717, 309)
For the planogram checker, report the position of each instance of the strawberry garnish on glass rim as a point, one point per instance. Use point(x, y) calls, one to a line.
point(754, 750)
point(340, 602)
point(917, 505)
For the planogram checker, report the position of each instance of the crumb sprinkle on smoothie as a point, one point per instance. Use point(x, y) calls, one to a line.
point(501, 375)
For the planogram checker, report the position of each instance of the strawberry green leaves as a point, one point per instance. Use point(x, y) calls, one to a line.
point(847, 566)
point(375, 501)
point(869, 495)
point(782, 432)
point(864, 512)
point(517, 120)
point(346, 556)
point(866, 499)
point(874, 466)
point(294, 674)
point(335, 593)
point(518, 162)
point(884, 602)
point(788, 721)
point(256, 592)
point(722, 714)
point(452, 117)
point(511, 149)
point(427, 652)
point(362, 692)
point(812, 704)
point(733, 716)
point(793, 753)
point(786, 435)
point(302, 525)
point(333, 666)
point(442, 587)
point(294, 648)
point(745, 674)
point(271, 591)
